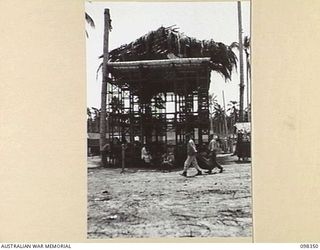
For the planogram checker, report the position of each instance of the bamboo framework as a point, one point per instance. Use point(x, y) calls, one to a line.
point(155, 89)
point(159, 101)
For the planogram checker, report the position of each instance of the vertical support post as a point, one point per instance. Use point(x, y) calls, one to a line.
point(175, 115)
point(224, 116)
point(241, 63)
point(225, 124)
point(121, 111)
point(199, 112)
point(248, 87)
point(131, 116)
point(167, 125)
point(123, 152)
point(108, 109)
point(103, 115)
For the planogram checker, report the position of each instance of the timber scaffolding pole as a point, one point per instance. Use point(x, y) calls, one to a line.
point(241, 116)
point(103, 115)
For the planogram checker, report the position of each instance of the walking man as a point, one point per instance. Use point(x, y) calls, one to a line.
point(191, 158)
point(213, 146)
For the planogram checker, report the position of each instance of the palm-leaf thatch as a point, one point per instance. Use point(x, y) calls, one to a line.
point(89, 20)
point(165, 43)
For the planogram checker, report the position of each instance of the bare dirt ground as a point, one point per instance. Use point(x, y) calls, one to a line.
point(149, 203)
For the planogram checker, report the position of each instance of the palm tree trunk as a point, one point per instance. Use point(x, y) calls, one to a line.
point(241, 62)
point(103, 116)
point(248, 87)
point(224, 115)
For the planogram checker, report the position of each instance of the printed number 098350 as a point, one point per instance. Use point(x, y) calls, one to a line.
point(309, 246)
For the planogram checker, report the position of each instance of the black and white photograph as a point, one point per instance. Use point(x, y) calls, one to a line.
point(168, 119)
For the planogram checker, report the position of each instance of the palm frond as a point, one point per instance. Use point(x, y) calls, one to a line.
point(164, 43)
point(89, 20)
point(99, 68)
point(234, 45)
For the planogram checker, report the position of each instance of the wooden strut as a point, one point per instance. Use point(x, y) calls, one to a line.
point(159, 62)
point(103, 115)
point(241, 118)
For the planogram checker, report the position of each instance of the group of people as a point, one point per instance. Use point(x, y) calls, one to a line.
point(192, 153)
point(165, 160)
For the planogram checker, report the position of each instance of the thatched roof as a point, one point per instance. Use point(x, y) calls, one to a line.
point(147, 78)
point(168, 43)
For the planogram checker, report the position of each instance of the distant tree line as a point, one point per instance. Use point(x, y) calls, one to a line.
point(221, 121)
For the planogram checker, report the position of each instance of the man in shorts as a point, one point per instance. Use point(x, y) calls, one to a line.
point(191, 158)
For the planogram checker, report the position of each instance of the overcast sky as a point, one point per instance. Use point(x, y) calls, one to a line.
point(130, 20)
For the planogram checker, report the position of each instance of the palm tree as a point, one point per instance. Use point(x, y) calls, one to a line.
point(234, 112)
point(96, 119)
point(246, 47)
point(212, 102)
point(219, 118)
point(241, 62)
point(89, 120)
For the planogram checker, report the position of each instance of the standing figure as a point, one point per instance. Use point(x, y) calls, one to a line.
point(213, 147)
point(105, 152)
point(239, 145)
point(191, 158)
point(116, 151)
point(146, 156)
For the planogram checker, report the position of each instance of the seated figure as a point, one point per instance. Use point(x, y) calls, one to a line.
point(167, 161)
point(145, 155)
